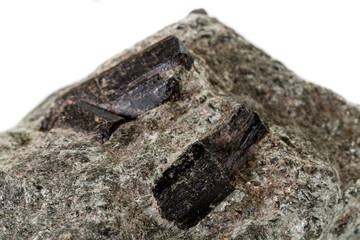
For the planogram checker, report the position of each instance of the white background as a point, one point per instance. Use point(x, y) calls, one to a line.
point(48, 44)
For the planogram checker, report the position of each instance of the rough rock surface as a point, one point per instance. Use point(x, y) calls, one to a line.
point(301, 181)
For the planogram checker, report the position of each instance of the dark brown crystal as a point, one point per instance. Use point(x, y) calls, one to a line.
point(187, 190)
point(201, 177)
point(232, 143)
point(82, 117)
point(128, 89)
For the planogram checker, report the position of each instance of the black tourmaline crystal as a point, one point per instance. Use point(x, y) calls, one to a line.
point(232, 143)
point(201, 177)
point(188, 189)
point(128, 89)
point(87, 118)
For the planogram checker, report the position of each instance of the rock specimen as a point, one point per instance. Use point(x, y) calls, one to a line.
point(193, 133)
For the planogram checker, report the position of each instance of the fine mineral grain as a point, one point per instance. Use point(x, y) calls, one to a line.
point(193, 133)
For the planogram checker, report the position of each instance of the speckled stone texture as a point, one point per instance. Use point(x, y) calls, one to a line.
point(301, 181)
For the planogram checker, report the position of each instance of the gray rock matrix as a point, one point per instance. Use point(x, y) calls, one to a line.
point(301, 181)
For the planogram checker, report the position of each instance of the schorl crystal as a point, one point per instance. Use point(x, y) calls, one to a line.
point(128, 89)
point(201, 177)
point(189, 188)
point(83, 117)
point(232, 143)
